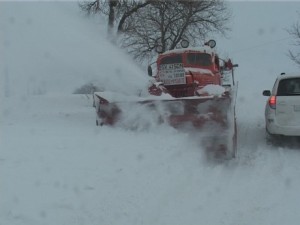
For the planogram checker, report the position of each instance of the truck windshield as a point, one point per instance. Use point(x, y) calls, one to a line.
point(289, 87)
point(199, 59)
point(171, 59)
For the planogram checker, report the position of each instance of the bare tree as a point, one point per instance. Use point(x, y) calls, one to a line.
point(129, 9)
point(90, 7)
point(111, 15)
point(116, 10)
point(167, 23)
point(93, 7)
point(145, 25)
point(294, 31)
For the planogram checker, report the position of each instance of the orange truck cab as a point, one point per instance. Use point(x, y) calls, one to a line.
point(183, 71)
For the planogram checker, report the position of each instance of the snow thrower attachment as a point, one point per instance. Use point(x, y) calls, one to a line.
point(193, 89)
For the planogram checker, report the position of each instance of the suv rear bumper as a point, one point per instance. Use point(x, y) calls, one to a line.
point(274, 128)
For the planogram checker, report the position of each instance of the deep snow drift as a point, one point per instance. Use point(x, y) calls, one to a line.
point(57, 167)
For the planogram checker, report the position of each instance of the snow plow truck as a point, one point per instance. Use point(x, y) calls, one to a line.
point(191, 89)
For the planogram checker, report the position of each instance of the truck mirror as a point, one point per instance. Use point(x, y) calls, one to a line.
point(150, 71)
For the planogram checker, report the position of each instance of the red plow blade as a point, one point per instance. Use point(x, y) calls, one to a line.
point(213, 118)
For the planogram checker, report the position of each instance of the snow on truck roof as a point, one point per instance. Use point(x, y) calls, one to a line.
point(205, 49)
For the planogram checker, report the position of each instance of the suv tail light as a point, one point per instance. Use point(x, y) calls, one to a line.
point(272, 102)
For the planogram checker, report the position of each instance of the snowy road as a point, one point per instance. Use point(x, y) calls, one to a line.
point(57, 167)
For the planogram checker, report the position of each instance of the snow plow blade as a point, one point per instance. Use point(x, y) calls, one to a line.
point(210, 118)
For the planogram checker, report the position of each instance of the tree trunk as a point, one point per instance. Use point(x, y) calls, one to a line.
point(111, 16)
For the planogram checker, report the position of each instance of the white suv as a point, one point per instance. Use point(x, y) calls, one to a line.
point(282, 113)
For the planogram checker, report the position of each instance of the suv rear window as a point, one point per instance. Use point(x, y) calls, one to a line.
point(290, 86)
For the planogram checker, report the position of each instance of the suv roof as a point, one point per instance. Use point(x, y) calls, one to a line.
point(288, 75)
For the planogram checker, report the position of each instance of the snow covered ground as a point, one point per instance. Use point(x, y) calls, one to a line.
point(57, 167)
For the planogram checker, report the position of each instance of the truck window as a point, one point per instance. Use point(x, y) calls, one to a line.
point(289, 87)
point(171, 59)
point(199, 59)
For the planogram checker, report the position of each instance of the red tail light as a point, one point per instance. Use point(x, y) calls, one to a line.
point(272, 102)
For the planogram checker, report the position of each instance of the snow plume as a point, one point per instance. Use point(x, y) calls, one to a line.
point(142, 116)
point(50, 55)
